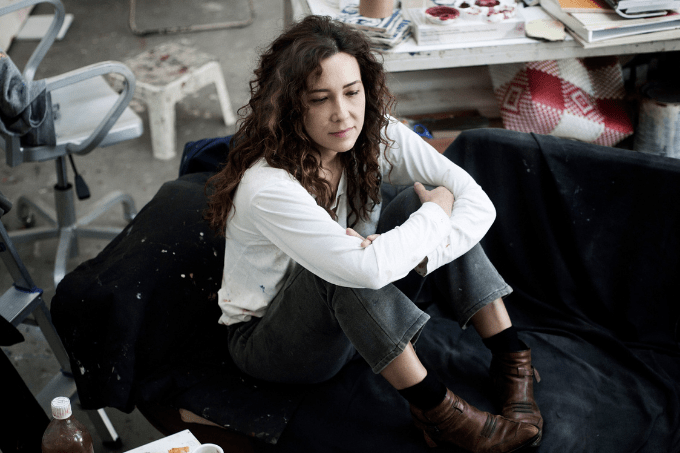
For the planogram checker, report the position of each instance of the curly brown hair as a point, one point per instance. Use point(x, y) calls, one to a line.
point(271, 124)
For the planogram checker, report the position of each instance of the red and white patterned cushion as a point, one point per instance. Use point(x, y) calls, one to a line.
point(572, 98)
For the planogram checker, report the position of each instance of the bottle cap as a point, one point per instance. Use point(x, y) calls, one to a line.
point(61, 408)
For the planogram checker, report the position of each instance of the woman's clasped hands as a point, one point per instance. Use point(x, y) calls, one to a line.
point(439, 195)
point(366, 241)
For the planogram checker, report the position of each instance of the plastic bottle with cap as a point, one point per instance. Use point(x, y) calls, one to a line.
point(65, 434)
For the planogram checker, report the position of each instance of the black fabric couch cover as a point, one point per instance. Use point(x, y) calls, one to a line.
point(588, 237)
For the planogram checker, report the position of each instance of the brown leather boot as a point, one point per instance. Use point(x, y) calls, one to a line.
point(513, 377)
point(455, 422)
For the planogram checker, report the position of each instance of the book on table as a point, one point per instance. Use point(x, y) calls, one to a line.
point(425, 32)
point(585, 6)
point(598, 26)
point(632, 9)
point(643, 8)
point(664, 35)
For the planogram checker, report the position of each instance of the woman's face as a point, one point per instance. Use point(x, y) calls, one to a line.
point(336, 103)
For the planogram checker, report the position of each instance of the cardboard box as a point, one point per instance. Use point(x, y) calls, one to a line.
point(463, 30)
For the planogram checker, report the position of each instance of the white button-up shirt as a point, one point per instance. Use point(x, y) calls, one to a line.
point(277, 223)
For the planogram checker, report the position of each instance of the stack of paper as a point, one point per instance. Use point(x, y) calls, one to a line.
point(464, 30)
point(383, 33)
point(602, 24)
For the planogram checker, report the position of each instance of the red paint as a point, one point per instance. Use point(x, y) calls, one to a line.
point(443, 12)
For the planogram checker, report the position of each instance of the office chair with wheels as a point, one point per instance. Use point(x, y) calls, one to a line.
point(88, 113)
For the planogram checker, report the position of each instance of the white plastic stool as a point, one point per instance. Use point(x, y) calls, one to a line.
point(165, 75)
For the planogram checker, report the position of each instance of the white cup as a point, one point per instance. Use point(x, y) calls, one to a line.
point(208, 448)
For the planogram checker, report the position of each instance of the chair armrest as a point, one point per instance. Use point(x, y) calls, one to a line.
point(88, 72)
point(47, 40)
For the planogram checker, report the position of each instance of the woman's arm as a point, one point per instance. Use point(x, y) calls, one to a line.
point(289, 217)
point(412, 159)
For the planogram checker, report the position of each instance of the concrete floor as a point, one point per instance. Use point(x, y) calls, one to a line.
point(100, 32)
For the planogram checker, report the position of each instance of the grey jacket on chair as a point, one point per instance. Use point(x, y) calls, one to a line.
point(25, 107)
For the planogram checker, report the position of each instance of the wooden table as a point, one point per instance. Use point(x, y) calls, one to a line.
point(424, 69)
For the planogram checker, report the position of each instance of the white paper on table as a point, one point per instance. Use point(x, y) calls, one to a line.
point(164, 445)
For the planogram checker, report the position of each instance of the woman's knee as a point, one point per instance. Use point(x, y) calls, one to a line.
point(399, 208)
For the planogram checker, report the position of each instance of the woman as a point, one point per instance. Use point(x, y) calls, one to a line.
point(319, 266)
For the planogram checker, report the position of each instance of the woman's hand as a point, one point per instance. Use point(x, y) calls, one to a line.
point(441, 196)
point(366, 241)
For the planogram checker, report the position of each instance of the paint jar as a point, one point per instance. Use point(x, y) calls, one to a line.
point(376, 8)
point(208, 448)
point(658, 130)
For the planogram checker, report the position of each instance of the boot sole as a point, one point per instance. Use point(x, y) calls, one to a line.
point(535, 442)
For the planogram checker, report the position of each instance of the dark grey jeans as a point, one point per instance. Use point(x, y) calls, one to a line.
point(313, 328)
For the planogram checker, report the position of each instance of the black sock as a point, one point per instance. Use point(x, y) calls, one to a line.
point(426, 394)
point(505, 341)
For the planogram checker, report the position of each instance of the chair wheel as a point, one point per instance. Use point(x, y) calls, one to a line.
point(26, 217)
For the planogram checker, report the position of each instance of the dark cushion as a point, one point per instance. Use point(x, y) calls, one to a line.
point(206, 155)
point(140, 320)
point(586, 235)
